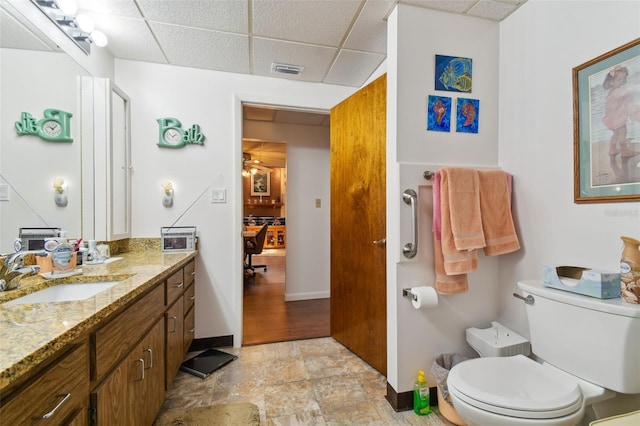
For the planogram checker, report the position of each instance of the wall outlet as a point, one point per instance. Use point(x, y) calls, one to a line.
point(318, 203)
point(219, 195)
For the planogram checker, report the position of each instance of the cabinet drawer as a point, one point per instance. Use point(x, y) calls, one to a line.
point(189, 273)
point(189, 297)
point(117, 338)
point(59, 392)
point(189, 329)
point(175, 286)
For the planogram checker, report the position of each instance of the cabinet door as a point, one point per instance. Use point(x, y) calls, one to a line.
point(189, 328)
point(174, 322)
point(148, 402)
point(134, 391)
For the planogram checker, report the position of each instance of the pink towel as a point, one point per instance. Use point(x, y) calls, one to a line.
point(437, 219)
point(495, 204)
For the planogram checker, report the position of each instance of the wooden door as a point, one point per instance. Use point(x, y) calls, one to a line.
point(358, 218)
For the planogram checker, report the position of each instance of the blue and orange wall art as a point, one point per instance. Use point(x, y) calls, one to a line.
point(453, 74)
point(439, 113)
point(467, 115)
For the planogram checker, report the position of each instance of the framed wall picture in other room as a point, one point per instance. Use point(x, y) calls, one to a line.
point(606, 127)
point(261, 184)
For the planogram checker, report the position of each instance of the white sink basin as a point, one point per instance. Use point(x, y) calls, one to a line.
point(64, 293)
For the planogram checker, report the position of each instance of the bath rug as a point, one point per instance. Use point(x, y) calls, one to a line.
point(214, 415)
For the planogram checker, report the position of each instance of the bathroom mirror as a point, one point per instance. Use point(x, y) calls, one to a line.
point(36, 76)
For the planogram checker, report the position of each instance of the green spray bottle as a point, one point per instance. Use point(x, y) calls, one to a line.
point(421, 396)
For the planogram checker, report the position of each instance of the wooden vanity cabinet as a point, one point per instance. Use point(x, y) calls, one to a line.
point(134, 391)
point(129, 364)
point(57, 395)
point(189, 305)
point(180, 296)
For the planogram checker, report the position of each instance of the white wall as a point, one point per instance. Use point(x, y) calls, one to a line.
point(539, 46)
point(308, 228)
point(415, 36)
point(212, 100)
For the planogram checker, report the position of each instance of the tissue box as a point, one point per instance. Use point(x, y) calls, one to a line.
point(603, 285)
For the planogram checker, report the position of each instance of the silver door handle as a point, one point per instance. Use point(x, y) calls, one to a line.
point(141, 368)
point(64, 397)
point(410, 197)
point(382, 242)
point(150, 358)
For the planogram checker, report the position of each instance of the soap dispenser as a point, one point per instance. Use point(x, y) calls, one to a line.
point(421, 395)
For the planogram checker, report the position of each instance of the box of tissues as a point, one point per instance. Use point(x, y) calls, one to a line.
point(603, 285)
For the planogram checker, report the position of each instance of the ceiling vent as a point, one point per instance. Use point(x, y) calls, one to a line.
point(286, 69)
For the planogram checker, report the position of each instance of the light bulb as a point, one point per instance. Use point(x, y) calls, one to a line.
point(68, 7)
point(254, 171)
point(99, 38)
point(85, 23)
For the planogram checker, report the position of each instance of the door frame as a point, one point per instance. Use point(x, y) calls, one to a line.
point(237, 196)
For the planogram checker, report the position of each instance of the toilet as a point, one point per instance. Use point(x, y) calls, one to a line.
point(588, 350)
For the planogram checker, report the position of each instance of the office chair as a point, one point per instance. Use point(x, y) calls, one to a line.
point(254, 246)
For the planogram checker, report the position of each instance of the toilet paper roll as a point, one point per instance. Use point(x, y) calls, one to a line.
point(425, 297)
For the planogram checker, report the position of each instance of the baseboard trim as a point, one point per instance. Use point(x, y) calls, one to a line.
point(403, 401)
point(211, 342)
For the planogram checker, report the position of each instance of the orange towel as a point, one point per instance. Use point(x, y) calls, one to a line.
point(464, 202)
point(447, 284)
point(455, 261)
point(495, 204)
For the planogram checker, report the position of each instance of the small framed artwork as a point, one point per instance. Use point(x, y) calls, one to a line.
point(261, 184)
point(439, 113)
point(467, 115)
point(453, 74)
point(606, 127)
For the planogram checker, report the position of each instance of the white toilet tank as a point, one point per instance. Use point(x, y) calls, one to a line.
point(595, 339)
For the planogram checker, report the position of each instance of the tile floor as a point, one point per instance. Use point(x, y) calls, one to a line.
point(304, 382)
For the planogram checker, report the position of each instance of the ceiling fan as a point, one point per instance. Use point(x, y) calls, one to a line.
point(251, 166)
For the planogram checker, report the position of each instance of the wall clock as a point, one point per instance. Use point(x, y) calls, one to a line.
point(55, 126)
point(172, 135)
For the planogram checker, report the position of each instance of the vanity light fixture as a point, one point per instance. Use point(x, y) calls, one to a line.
point(60, 196)
point(80, 29)
point(167, 198)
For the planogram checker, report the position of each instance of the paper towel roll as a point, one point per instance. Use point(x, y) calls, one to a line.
point(425, 297)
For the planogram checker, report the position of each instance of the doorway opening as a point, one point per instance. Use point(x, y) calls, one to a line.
point(274, 309)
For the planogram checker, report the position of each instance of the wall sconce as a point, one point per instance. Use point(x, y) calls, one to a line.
point(167, 198)
point(60, 196)
point(80, 29)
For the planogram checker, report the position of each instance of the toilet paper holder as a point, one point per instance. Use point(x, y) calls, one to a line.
point(406, 292)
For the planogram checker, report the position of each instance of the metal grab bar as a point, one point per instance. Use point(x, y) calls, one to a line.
point(409, 196)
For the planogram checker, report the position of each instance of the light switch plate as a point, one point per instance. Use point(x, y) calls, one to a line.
point(218, 195)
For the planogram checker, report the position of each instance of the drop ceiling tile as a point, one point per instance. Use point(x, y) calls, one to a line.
point(123, 8)
point(121, 31)
point(369, 33)
point(316, 22)
point(316, 60)
point(198, 48)
point(352, 68)
point(494, 10)
point(219, 15)
point(14, 35)
point(455, 6)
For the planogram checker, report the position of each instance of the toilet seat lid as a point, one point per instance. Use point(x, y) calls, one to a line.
point(516, 386)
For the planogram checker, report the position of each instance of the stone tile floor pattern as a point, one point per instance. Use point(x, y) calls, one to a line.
point(305, 382)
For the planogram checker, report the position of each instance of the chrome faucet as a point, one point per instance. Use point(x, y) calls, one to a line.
point(13, 269)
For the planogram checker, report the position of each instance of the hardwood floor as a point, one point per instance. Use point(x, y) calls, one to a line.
point(267, 318)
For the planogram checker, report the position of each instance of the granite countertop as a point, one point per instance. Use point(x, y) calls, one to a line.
point(29, 333)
